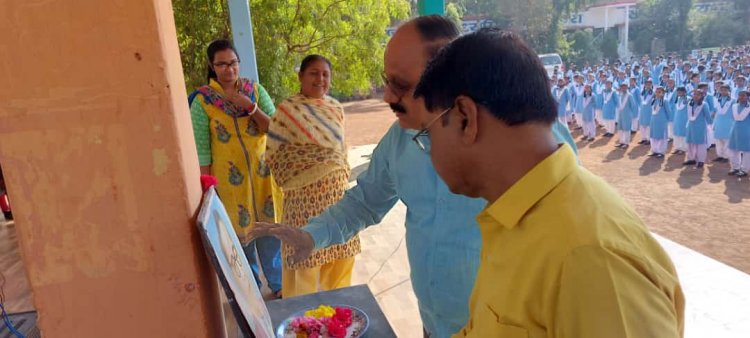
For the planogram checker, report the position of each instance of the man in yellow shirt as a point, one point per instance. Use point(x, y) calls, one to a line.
point(563, 254)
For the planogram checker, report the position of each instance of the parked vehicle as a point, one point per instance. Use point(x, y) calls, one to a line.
point(550, 61)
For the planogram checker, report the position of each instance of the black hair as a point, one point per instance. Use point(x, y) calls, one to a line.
point(497, 70)
point(312, 58)
point(213, 48)
point(435, 31)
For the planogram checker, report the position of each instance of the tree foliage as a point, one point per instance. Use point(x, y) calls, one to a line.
point(717, 29)
point(609, 45)
point(198, 23)
point(351, 33)
point(454, 12)
point(583, 48)
point(538, 21)
point(663, 19)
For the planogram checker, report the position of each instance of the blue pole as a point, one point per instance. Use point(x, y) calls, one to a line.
point(242, 34)
point(428, 7)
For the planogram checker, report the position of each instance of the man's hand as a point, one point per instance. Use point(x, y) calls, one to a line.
point(300, 241)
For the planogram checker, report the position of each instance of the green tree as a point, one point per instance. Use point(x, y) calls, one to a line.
point(667, 19)
point(198, 23)
point(609, 45)
point(454, 12)
point(560, 9)
point(351, 33)
point(583, 48)
point(476, 7)
point(530, 19)
point(742, 12)
point(718, 29)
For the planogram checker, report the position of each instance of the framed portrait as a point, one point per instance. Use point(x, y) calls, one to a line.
point(228, 259)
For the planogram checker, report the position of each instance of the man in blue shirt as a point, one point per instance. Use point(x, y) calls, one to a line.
point(442, 237)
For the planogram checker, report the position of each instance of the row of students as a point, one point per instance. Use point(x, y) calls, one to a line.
point(694, 122)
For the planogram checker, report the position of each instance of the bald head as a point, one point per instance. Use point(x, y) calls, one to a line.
point(406, 57)
point(434, 31)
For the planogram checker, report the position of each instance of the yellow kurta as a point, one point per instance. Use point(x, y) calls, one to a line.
point(238, 162)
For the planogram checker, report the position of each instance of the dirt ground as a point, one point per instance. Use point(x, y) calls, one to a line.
point(704, 209)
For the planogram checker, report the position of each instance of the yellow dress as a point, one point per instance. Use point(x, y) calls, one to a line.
point(238, 159)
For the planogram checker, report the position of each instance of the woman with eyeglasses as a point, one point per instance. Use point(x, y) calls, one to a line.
point(230, 119)
point(308, 158)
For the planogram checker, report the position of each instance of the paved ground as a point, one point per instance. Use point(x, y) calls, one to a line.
point(705, 210)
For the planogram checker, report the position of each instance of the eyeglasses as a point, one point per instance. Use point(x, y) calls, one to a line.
point(425, 134)
point(396, 88)
point(224, 65)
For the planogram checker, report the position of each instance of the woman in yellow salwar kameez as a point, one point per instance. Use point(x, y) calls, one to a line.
point(230, 120)
point(308, 158)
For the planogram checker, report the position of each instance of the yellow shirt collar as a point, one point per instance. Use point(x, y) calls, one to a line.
point(530, 189)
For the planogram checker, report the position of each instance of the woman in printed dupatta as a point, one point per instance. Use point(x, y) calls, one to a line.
point(230, 118)
point(308, 158)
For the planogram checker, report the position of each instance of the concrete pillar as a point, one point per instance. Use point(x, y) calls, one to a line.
point(97, 150)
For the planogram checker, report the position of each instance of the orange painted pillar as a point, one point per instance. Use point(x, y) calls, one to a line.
point(96, 145)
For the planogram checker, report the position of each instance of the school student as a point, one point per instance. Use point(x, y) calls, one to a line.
point(699, 118)
point(739, 141)
point(660, 110)
point(723, 122)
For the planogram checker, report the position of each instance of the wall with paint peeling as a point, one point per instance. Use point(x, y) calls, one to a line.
point(97, 149)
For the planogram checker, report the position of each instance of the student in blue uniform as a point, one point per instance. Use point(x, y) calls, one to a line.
point(716, 79)
point(739, 142)
point(620, 79)
point(670, 89)
point(646, 98)
point(587, 107)
point(710, 101)
point(562, 96)
point(660, 111)
point(658, 67)
point(740, 84)
point(645, 75)
point(723, 121)
point(717, 86)
point(636, 73)
point(682, 75)
point(699, 118)
point(679, 106)
point(695, 80)
point(730, 75)
point(635, 91)
point(626, 109)
point(703, 76)
point(598, 88)
point(608, 99)
point(590, 79)
point(576, 94)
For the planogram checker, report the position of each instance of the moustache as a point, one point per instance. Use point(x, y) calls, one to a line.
point(398, 108)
